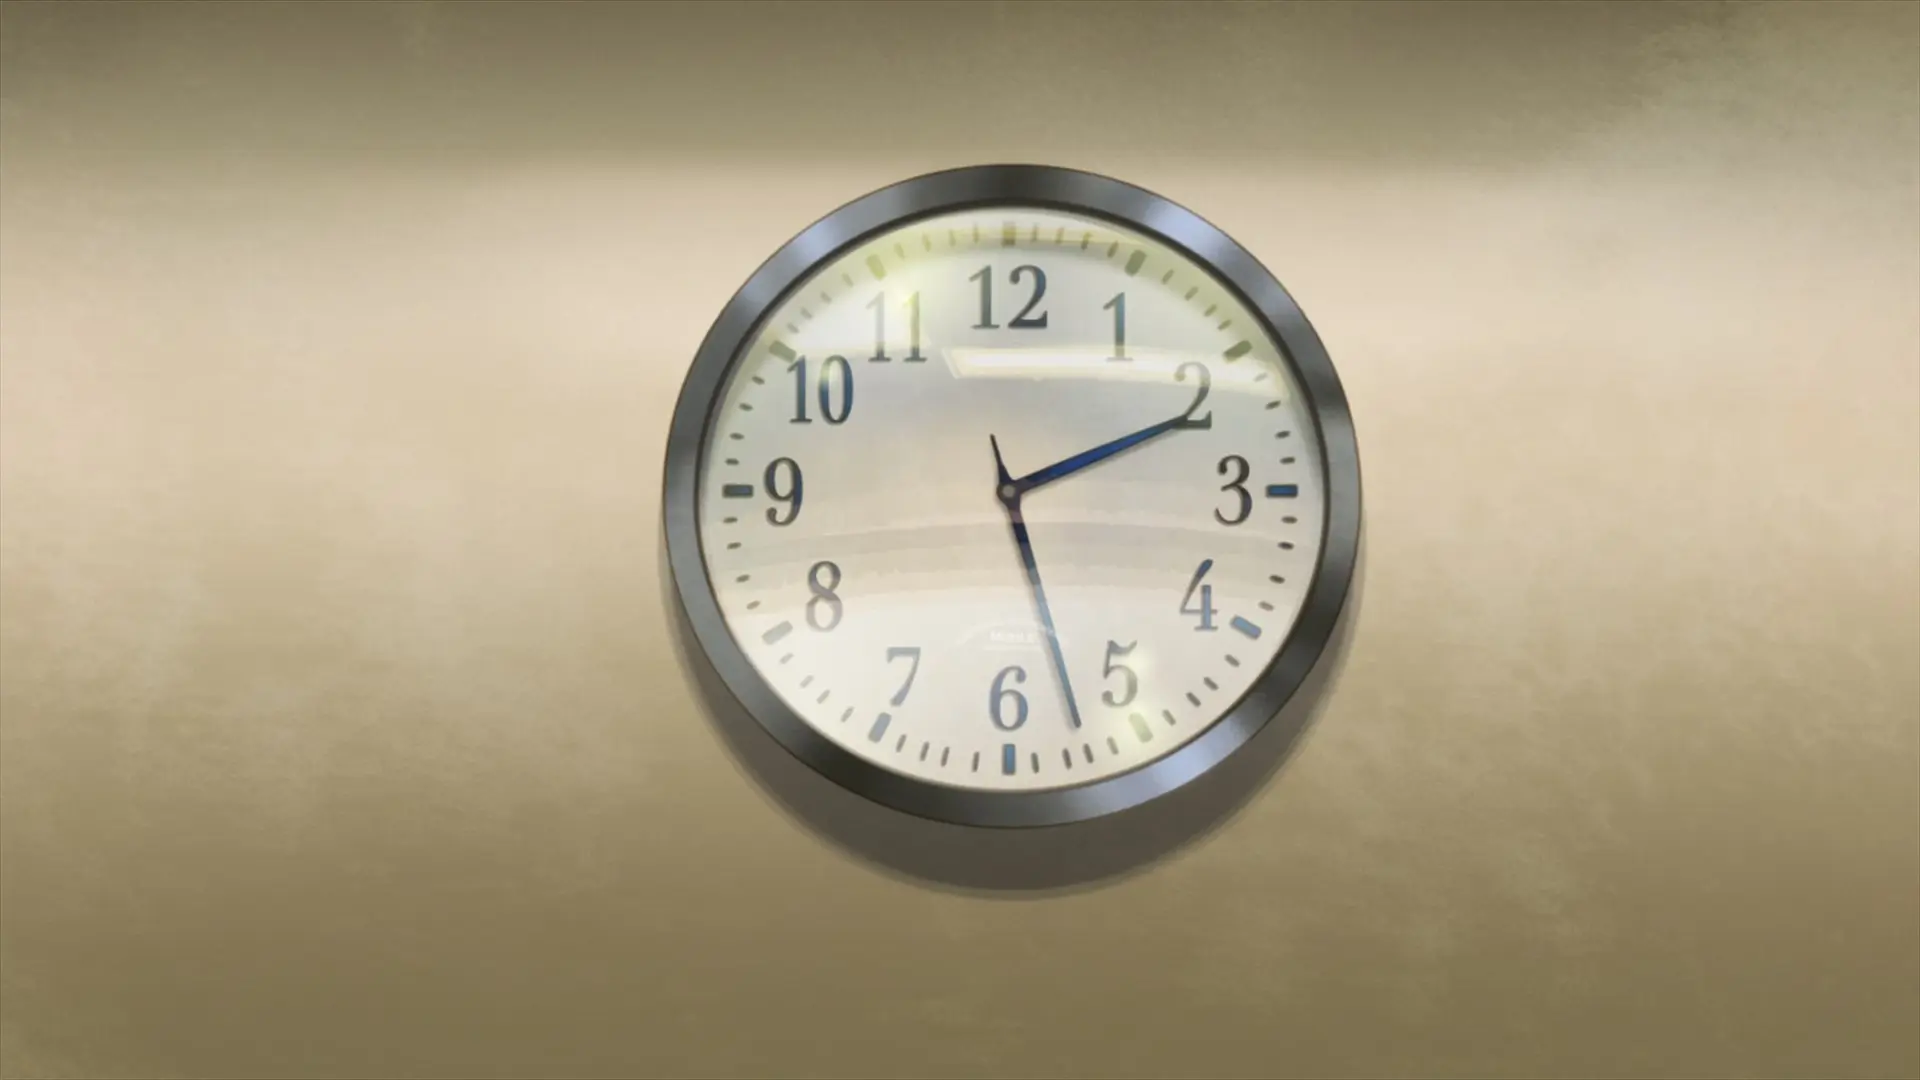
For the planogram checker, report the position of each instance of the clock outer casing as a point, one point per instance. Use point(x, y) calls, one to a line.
point(1043, 187)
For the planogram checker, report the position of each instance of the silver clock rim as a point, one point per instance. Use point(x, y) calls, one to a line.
point(1048, 187)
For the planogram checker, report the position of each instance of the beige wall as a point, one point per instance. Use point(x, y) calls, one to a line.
point(343, 730)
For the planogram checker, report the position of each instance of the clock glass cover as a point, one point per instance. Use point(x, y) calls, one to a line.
point(1008, 493)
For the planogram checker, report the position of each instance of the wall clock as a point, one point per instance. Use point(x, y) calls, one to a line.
point(1011, 496)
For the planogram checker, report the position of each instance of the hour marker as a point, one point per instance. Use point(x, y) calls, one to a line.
point(1140, 727)
point(1007, 753)
point(1009, 234)
point(873, 264)
point(737, 491)
point(1239, 350)
point(1245, 627)
point(879, 727)
point(776, 633)
point(1282, 491)
point(1134, 260)
point(780, 349)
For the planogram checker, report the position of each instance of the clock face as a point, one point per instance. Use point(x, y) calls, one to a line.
point(1010, 499)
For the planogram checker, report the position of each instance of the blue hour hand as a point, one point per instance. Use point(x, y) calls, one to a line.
point(1100, 453)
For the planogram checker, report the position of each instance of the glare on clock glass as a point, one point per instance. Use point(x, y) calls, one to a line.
point(1161, 504)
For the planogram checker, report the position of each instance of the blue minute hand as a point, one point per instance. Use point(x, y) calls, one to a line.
point(1009, 496)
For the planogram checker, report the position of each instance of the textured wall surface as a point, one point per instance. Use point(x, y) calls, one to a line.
point(341, 724)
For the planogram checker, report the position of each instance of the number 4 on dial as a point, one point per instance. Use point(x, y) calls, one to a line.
point(1205, 610)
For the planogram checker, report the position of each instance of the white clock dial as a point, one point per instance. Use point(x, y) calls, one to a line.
point(1010, 499)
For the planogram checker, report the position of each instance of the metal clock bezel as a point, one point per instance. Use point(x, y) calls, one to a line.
point(1037, 186)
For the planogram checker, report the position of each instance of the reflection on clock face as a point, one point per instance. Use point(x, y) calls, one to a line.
point(1010, 499)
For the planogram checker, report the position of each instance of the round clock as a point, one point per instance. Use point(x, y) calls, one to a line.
point(1012, 495)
